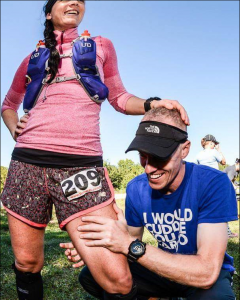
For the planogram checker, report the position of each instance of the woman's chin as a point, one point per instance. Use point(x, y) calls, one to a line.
point(68, 24)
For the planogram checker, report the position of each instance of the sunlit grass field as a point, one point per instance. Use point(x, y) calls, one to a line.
point(60, 279)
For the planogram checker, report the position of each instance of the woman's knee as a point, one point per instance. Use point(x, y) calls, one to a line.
point(29, 263)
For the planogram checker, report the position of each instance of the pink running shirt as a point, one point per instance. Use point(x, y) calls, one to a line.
point(65, 119)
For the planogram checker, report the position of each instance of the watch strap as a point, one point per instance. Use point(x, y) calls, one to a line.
point(147, 103)
point(131, 258)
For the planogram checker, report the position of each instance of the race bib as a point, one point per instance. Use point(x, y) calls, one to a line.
point(86, 181)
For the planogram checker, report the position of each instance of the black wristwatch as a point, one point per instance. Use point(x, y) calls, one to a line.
point(147, 103)
point(136, 250)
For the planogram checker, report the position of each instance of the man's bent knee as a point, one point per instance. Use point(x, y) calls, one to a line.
point(89, 284)
point(131, 295)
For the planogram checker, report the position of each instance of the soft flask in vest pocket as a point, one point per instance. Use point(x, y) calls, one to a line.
point(36, 72)
point(84, 62)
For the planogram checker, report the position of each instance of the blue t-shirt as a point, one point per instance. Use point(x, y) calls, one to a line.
point(205, 196)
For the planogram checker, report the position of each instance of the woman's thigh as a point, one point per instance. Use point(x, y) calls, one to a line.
point(110, 270)
point(28, 245)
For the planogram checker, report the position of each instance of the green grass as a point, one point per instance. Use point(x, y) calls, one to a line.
point(60, 279)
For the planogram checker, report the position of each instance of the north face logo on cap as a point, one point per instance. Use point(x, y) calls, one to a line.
point(153, 129)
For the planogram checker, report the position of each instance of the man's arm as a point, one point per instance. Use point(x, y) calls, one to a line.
point(136, 232)
point(200, 270)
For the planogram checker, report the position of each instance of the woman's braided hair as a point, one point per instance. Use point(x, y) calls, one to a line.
point(51, 43)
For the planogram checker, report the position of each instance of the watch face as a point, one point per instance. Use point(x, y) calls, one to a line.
point(137, 248)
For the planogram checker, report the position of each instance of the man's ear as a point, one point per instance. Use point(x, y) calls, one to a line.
point(49, 16)
point(185, 149)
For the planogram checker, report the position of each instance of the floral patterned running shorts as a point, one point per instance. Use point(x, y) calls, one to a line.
point(30, 192)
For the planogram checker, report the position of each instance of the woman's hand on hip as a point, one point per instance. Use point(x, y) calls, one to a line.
point(21, 124)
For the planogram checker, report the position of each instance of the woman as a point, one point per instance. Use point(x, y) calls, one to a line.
point(211, 154)
point(58, 156)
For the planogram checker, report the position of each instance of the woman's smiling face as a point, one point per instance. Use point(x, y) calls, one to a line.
point(66, 14)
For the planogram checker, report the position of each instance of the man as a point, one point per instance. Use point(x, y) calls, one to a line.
point(185, 206)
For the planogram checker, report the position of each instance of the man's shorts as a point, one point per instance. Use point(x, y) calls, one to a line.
point(30, 192)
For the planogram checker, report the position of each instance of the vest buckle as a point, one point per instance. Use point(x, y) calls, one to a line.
point(60, 79)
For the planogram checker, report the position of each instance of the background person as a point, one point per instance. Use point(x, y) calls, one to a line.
point(211, 154)
point(185, 207)
point(233, 172)
point(56, 142)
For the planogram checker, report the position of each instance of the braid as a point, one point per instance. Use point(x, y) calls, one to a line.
point(51, 43)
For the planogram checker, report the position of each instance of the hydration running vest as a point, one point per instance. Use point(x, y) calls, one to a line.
point(84, 64)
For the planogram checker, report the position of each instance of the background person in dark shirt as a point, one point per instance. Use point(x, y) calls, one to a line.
point(233, 172)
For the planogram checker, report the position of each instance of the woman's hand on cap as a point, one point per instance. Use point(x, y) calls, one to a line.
point(171, 104)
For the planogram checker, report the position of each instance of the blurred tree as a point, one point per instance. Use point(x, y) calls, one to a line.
point(121, 174)
point(128, 169)
point(4, 171)
point(114, 175)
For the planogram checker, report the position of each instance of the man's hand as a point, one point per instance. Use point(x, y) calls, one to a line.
point(172, 104)
point(20, 126)
point(72, 255)
point(108, 233)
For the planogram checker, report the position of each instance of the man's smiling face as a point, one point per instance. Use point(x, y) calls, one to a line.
point(66, 14)
point(164, 175)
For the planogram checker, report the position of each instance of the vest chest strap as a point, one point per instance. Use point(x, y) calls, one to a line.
point(61, 79)
point(66, 55)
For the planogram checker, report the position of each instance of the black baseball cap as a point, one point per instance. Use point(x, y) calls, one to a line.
point(211, 138)
point(157, 139)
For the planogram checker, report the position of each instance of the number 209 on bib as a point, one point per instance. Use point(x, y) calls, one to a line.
point(86, 181)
